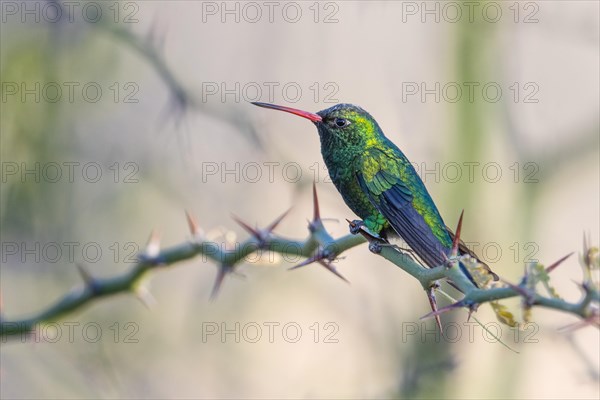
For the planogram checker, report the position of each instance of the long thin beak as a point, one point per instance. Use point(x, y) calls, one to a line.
point(303, 114)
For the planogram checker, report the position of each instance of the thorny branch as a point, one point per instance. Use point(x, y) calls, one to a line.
point(322, 248)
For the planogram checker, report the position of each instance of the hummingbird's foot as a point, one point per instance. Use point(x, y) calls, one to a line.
point(362, 227)
point(374, 235)
point(355, 226)
point(375, 247)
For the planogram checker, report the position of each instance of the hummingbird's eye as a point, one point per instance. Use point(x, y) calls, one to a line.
point(341, 122)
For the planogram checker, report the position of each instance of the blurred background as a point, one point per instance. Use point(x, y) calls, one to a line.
point(118, 116)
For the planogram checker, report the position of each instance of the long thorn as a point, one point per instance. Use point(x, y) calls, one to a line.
point(442, 310)
point(85, 275)
point(254, 232)
point(334, 271)
point(153, 246)
point(144, 295)
point(472, 309)
point(590, 321)
point(274, 224)
point(557, 263)
point(221, 272)
point(434, 308)
point(193, 224)
point(317, 211)
point(456, 242)
point(308, 261)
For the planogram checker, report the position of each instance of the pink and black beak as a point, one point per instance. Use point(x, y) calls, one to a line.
point(304, 114)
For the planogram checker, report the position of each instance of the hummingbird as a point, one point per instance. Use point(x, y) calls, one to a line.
point(379, 184)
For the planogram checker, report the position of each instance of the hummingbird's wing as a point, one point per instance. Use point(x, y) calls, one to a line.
point(397, 192)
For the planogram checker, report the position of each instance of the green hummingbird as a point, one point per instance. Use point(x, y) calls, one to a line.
point(379, 183)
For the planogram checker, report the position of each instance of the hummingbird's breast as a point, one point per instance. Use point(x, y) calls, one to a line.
point(342, 168)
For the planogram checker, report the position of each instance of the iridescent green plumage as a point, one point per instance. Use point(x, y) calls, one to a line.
point(377, 181)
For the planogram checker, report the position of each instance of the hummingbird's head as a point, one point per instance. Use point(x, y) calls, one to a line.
point(342, 124)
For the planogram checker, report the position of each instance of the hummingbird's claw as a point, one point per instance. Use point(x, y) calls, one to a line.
point(355, 226)
point(375, 247)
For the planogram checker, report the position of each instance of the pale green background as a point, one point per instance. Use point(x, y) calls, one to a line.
point(367, 54)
